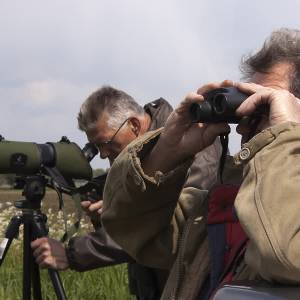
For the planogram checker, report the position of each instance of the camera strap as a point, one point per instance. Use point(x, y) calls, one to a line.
point(224, 138)
point(61, 185)
point(69, 232)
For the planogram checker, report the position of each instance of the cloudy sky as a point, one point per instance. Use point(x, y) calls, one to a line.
point(53, 54)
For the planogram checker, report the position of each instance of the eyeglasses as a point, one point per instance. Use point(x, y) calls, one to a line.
point(109, 142)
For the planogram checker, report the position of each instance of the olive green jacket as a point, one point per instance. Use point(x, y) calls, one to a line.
point(156, 220)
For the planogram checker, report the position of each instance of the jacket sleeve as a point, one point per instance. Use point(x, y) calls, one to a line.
point(203, 173)
point(145, 215)
point(268, 204)
point(94, 250)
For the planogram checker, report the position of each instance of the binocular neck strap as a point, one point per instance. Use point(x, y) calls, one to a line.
point(224, 143)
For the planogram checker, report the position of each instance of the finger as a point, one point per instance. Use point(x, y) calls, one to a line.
point(37, 252)
point(251, 104)
point(36, 243)
point(208, 87)
point(184, 108)
point(185, 104)
point(95, 206)
point(85, 204)
point(248, 88)
point(42, 258)
point(212, 131)
point(46, 262)
point(227, 83)
point(211, 86)
point(42, 248)
point(44, 265)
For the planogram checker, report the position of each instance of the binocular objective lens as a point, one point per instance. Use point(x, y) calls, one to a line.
point(219, 104)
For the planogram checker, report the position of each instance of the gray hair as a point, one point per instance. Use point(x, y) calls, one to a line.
point(282, 46)
point(118, 104)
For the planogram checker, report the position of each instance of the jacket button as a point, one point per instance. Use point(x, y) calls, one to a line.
point(244, 154)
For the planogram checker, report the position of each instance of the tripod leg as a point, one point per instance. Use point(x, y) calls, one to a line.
point(57, 284)
point(31, 273)
point(27, 262)
point(11, 232)
point(39, 223)
point(30, 268)
point(36, 282)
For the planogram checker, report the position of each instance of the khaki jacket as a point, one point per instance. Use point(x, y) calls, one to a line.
point(97, 249)
point(150, 216)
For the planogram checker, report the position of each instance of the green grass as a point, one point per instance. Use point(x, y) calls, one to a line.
point(106, 283)
point(110, 283)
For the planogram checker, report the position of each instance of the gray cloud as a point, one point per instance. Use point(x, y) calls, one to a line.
point(55, 53)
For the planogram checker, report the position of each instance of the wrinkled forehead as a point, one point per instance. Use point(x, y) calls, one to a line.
point(101, 129)
point(278, 76)
point(103, 122)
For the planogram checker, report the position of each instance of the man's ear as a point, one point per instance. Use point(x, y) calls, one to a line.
point(135, 125)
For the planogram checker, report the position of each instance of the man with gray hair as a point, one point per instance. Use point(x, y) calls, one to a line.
point(240, 232)
point(106, 114)
point(111, 120)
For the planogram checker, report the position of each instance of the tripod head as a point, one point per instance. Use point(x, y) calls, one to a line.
point(35, 226)
point(34, 191)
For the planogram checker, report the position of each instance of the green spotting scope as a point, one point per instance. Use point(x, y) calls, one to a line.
point(26, 158)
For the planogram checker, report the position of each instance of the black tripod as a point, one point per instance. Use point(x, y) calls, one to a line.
point(34, 227)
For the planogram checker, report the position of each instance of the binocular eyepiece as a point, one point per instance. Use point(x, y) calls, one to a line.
point(219, 105)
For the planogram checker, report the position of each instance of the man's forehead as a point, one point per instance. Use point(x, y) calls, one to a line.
point(101, 130)
point(278, 76)
point(102, 120)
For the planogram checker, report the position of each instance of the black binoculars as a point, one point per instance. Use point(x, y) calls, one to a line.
point(219, 105)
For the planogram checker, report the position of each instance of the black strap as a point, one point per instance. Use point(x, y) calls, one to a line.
point(61, 184)
point(224, 142)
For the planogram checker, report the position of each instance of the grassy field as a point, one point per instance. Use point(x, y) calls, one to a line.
point(107, 283)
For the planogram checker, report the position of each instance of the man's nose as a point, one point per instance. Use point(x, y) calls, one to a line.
point(104, 153)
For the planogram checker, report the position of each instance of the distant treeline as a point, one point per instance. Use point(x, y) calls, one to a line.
point(7, 179)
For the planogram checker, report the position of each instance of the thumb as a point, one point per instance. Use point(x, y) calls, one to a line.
point(213, 131)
